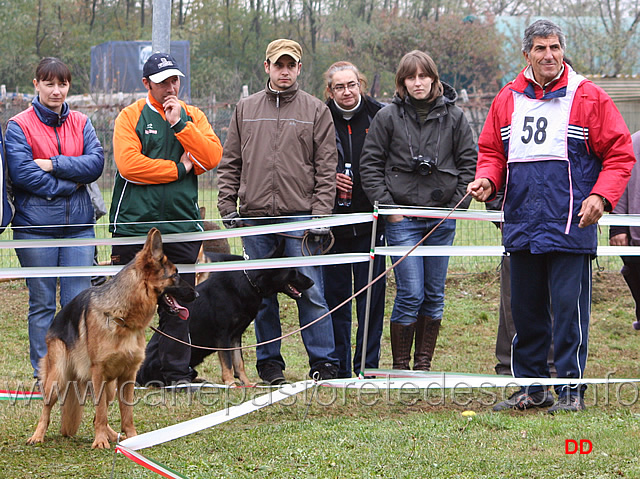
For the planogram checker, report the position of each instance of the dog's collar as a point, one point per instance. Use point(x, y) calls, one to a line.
point(255, 286)
point(118, 321)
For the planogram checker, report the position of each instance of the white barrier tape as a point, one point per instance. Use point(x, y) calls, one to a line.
point(150, 464)
point(10, 395)
point(620, 220)
point(335, 220)
point(442, 380)
point(409, 379)
point(269, 263)
point(170, 433)
point(293, 262)
point(495, 216)
point(404, 380)
point(204, 385)
point(442, 250)
point(487, 250)
point(618, 250)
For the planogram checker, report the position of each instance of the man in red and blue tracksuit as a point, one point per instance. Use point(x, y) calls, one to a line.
point(561, 149)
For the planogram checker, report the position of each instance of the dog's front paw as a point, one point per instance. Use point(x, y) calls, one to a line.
point(101, 442)
point(111, 434)
point(130, 432)
point(35, 439)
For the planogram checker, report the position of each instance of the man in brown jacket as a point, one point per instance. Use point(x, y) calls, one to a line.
point(279, 161)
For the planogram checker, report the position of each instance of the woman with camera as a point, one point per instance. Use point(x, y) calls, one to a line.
point(419, 152)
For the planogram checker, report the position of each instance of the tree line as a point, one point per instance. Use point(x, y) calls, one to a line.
point(471, 44)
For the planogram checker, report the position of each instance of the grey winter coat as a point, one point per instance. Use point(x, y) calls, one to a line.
point(388, 170)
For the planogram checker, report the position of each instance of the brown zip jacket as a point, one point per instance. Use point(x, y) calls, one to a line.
point(279, 157)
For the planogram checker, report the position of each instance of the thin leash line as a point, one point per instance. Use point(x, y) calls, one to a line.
point(364, 288)
point(305, 242)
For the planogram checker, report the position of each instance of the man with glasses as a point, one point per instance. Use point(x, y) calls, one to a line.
point(279, 161)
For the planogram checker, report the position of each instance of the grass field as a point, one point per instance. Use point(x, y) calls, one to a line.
point(338, 434)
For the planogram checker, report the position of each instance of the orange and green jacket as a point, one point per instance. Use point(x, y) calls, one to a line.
point(152, 187)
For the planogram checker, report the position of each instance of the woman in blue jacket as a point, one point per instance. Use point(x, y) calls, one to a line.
point(52, 154)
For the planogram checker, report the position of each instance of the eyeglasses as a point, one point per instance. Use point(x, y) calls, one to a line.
point(352, 86)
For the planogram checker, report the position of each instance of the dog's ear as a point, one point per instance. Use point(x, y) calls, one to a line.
point(203, 212)
point(153, 245)
point(278, 251)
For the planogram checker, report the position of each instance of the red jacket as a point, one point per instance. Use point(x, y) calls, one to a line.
point(536, 205)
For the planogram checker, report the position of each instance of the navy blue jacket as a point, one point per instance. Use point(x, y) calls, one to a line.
point(58, 197)
point(6, 197)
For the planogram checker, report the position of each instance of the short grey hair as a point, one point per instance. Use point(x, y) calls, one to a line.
point(541, 29)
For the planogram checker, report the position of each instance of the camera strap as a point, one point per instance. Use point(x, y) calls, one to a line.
point(406, 129)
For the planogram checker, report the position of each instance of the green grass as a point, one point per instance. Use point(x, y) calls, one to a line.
point(345, 434)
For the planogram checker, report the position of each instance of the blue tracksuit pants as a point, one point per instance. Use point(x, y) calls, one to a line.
point(542, 285)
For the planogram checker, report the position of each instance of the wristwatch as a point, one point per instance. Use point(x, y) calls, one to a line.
point(605, 202)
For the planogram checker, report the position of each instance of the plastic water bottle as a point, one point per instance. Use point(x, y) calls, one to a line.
point(344, 197)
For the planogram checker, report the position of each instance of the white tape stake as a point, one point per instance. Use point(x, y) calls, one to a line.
point(170, 433)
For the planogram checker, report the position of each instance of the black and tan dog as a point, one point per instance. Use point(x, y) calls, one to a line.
point(96, 342)
point(228, 301)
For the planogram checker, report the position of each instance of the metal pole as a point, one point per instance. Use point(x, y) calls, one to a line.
point(161, 26)
point(365, 333)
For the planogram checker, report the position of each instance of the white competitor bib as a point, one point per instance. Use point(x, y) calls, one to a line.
point(539, 127)
point(539, 130)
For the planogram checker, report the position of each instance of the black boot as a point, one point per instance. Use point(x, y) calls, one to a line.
point(632, 278)
point(427, 330)
point(401, 342)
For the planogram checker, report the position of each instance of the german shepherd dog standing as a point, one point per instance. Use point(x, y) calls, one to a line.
point(228, 301)
point(98, 341)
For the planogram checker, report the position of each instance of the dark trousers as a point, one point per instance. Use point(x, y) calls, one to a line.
point(631, 274)
point(540, 282)
point(166, 361)
point(338, 287)
point(506, 328)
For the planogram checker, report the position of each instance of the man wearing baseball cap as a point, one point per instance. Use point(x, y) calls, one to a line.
point(160, 145)
point(279, 162)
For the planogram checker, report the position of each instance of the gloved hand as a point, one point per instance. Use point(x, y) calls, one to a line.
point(231, 220)
point(319, 234)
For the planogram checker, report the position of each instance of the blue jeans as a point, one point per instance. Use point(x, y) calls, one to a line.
point(338, 288)
point(318, 339)
point(420, 280)
point(42, 291)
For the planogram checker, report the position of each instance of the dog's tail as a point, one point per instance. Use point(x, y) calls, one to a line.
point(71, 413)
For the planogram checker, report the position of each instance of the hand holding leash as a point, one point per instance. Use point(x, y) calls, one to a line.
point(319, 234)
point(231, 220)
point(317, 240)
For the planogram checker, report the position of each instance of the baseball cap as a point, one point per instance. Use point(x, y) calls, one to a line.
point(282, 46)
point(159, 67)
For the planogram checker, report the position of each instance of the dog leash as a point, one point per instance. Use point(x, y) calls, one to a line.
point(363, 289)
point(306, 248)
